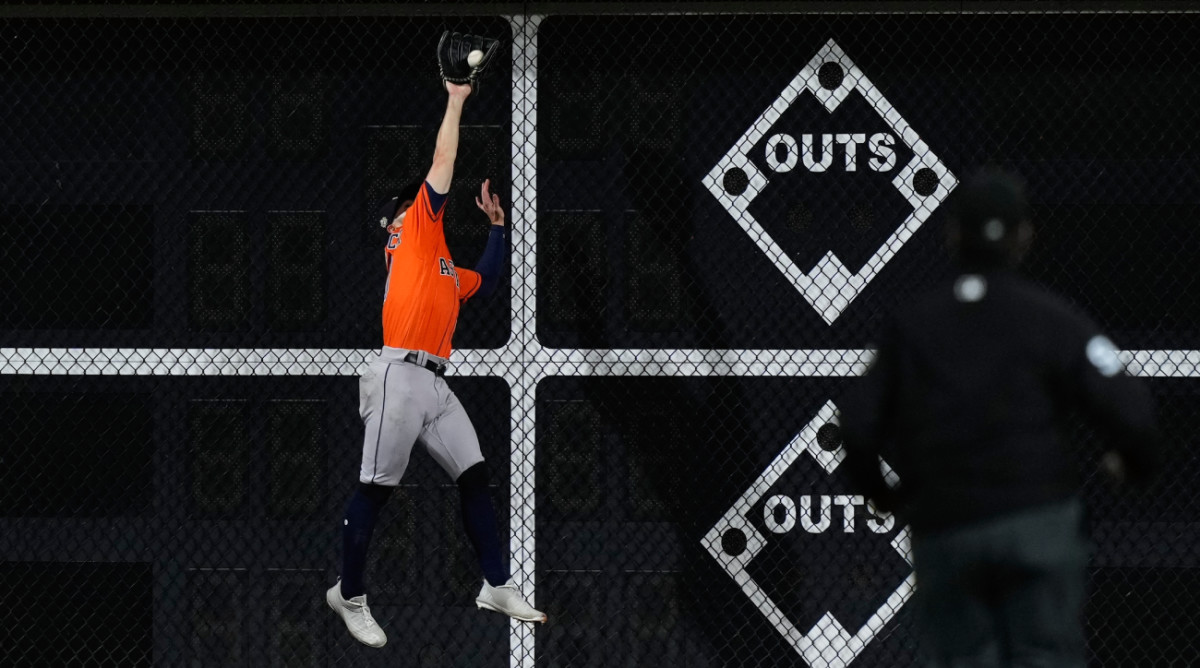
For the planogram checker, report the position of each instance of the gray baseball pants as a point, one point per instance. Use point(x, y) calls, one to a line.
point(402, 404)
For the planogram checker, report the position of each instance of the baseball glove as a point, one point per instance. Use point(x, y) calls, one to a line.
point(452, 53)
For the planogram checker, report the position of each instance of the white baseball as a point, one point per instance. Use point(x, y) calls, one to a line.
point(474, 58)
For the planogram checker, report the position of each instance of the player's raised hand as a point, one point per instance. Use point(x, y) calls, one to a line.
point(489, 203)
point(458, 91)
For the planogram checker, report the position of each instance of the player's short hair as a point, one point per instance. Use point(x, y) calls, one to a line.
point(988, 210)
point(389, 209)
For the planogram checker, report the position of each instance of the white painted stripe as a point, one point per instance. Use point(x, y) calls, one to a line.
point(183, 361)
point(693, 362)
point(536, 362)
point(522, 378)
point(1162, 363)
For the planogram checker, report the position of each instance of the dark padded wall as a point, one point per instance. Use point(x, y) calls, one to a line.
point(176, 183)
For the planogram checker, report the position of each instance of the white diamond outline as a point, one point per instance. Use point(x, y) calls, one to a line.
point(828, 643)
point(829, 287)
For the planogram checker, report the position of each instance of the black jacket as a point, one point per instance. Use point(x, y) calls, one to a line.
point(969, 393)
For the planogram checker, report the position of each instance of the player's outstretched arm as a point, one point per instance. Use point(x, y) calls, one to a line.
point(446, 150)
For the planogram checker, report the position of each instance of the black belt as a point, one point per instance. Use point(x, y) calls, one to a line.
point(437, 369)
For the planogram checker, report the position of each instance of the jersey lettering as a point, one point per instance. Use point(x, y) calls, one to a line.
point(447, 269)
point(393, 241)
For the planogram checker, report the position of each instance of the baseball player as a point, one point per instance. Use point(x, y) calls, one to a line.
point(403, 397)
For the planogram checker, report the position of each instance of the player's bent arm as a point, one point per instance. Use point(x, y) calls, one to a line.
point(491, 262)
point(446, 149)
point(1095, 379)
point(1124, 409)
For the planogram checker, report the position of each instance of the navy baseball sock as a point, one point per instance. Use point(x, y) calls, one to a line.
point(479, 518)
point(361, 514)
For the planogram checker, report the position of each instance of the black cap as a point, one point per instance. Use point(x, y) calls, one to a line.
point(389, 209)
point(387, 212)
point(988, 210)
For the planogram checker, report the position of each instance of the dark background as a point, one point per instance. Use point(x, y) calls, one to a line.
point(210, 182)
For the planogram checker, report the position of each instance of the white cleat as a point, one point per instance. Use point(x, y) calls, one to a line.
point(357, 616)
point(508, 600)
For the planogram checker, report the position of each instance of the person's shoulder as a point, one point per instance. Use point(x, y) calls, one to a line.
point(1039, 296)
point(1053, 308)
point(1001, 290)
point(433, 202)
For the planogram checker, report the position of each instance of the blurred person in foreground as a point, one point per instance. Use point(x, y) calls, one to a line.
point(968, 398)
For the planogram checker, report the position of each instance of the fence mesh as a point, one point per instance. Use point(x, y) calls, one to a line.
point(709, 215)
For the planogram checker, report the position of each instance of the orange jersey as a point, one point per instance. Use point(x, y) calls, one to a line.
point(424, 288)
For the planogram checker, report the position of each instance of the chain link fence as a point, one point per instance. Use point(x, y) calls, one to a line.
point(709, 213)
